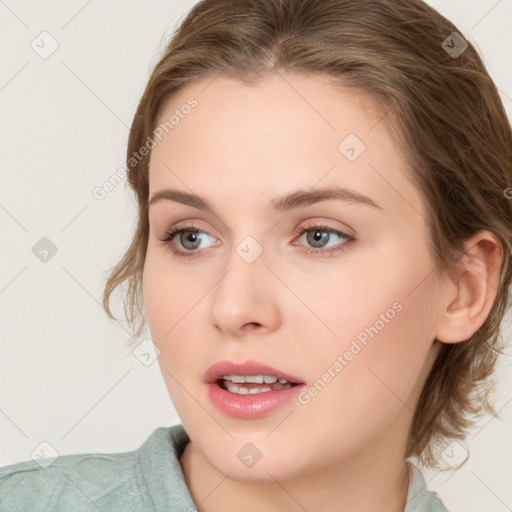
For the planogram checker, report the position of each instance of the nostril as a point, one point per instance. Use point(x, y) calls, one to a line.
point(250, 325)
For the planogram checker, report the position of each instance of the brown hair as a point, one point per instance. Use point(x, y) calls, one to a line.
point(449, 121)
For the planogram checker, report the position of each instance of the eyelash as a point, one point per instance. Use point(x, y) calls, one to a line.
point(349, 240)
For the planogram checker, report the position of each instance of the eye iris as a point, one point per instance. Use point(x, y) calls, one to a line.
point(317, 236)
point(188, 236)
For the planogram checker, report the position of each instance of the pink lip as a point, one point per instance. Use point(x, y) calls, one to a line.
point(250, 406)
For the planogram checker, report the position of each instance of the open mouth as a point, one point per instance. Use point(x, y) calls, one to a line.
point(250, 389)
point(253, 384)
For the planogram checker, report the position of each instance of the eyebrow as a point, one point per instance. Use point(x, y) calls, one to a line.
point(297, 199)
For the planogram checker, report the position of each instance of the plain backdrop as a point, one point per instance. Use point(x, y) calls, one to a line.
point(66, 376)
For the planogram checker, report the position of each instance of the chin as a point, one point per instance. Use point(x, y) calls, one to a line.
point(248, 464)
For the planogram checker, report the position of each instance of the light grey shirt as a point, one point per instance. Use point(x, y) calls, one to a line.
point(146, 479)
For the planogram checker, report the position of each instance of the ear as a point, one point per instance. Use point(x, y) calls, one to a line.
point(470, 299)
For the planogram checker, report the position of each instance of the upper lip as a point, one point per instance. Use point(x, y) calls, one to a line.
point(221, 368)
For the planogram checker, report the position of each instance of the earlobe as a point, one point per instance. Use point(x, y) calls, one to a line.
point(475, 289)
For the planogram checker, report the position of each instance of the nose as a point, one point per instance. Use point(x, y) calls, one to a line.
point(246, 298)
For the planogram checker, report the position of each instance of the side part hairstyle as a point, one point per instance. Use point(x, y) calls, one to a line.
point(443, 111)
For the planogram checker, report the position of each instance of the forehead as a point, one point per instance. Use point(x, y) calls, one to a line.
point(287, 131)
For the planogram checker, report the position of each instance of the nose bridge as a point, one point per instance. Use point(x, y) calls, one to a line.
point(243, 295)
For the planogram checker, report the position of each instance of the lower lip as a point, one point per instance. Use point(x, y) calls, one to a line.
point(254, 406)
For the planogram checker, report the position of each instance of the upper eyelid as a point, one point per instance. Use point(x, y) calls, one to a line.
point(314, 224)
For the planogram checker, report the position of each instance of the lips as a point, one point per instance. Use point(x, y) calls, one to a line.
point(257, 401)
point(218, 370)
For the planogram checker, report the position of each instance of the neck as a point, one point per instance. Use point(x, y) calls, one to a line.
point(373, 480)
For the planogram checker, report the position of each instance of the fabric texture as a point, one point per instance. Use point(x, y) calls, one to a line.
point(147, 479)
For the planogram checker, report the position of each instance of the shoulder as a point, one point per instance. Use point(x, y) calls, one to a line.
point(82, 480)
point(420, 498)
point(85, 482)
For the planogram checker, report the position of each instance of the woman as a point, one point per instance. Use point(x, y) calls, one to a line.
point(322, 256)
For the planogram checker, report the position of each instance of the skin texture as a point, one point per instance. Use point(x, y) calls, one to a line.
point(240, 147)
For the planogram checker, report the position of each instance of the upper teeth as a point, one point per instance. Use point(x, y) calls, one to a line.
point(256, 379)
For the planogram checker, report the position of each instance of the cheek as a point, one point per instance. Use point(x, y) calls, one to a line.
point(168, 303)
point(171, 304)
point(382, 318)
point(383, 379)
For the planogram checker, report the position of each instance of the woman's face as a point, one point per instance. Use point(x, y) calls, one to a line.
point(347, 310)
